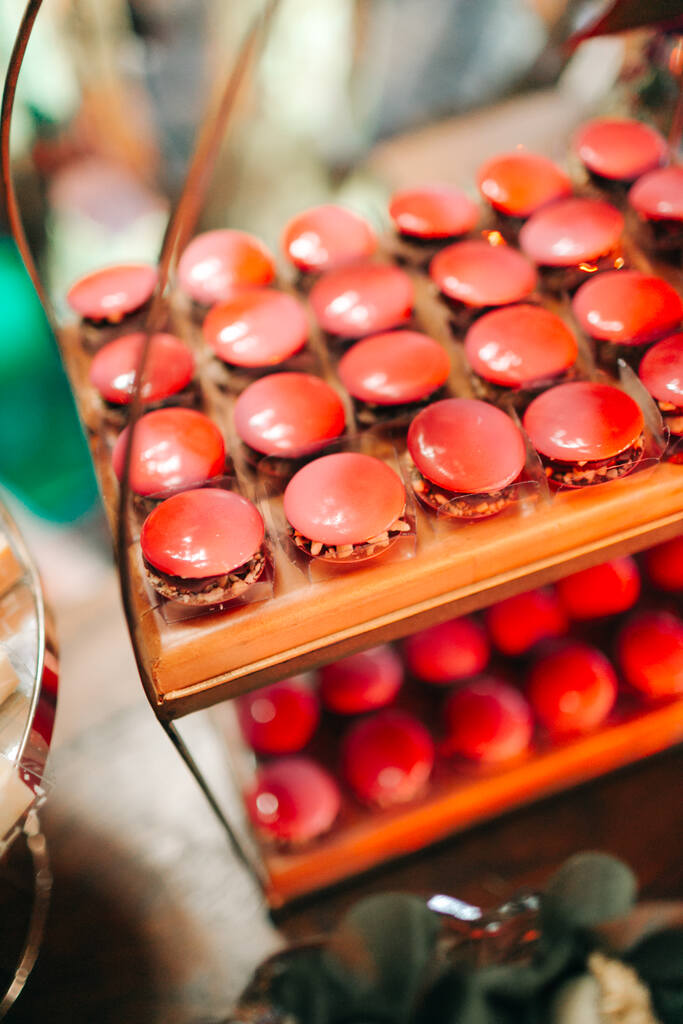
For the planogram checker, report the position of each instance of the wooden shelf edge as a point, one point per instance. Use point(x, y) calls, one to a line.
point(389, 835)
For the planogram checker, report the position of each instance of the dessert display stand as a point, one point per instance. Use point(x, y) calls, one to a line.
point(27, 713)
point(189, 663)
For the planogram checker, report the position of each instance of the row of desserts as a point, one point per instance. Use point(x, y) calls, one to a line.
point(549, 683)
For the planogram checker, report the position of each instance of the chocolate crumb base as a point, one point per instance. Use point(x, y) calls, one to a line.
point(117, 414)
point(351, 552)
point(673, 418)
point(585, 474)
point(459, 505)
point(664, 237)
point(211, 589)
point(369, 413)
point(521, 396)
point(413, 251)
point(281, 466)
point(569, 279)
point(95, 334)
point(608, 353)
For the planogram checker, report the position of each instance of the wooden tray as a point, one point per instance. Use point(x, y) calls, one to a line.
point(195, 663)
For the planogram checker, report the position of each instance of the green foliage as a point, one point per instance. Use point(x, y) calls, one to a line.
point(386, 962)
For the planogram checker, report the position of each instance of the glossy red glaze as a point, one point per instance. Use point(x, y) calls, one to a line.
point(466, 446)
point(387, 758)
point(288, 414)
point(571, 231)
point(171, 448)
point(200, 533)
point(606, 589)
point(658, 195)
point(487, 721)
point(362, 299)
point(395, 367)
point(573, 689)
point(661, 370)
point(345, 498)
point(583, 421)
point(664, 564)
point(279, 719)
point(627, 307)
point(362, 682)
point(169, 368)
point(518, 183)
point(447, 652)
point(651, 653)
point(327, 237)
point(620, 148)
point(293, 800)
point(216, 262)
point(519, 344)
point(433, 211)
point(112, 292)
point(480, 274)
point(256, 327)
point(519, 622)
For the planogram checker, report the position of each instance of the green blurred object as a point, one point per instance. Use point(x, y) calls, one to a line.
point(44, 459)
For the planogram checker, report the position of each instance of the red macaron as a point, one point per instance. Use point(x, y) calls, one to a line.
point(607, 589)
point(362, 682)
point(627, 307)
point(520, 344)
point(327, 237)
point(279, 719)
point(256, 327)
point(432, 212)
point(573, 689)
point(362, 299)
point(465, 453)
point(293, 800)
point(658, 195)
point(345, 506)
point(111, 293)
point(664, 564)
point(203, 546)
point(570, 232)
point(169, 368)
point(216, 262)
point(394, 368)
point(171, 448)
point(585, 433)
point(479, 274)
point(620, 149)
point(387, 758)
point(288, 414)
point(448, 652)
point(519, 183)
point(487, 721)
point(661, 371)
point(517, 623)
point(650, 650)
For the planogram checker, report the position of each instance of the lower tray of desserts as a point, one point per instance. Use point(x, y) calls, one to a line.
point(360, 427)
point(385, 751)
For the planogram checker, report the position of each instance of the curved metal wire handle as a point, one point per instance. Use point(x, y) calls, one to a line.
point(42, 880)
point(179, 228)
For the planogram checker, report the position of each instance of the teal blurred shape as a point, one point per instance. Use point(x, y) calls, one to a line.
point(44, 459)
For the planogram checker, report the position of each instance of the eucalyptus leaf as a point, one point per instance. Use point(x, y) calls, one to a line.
point(518, 983)
point(658, 959)
point(589, 889)
point(380, 954)
point(302, 988)
point(668, 1003)
point(455, 998)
